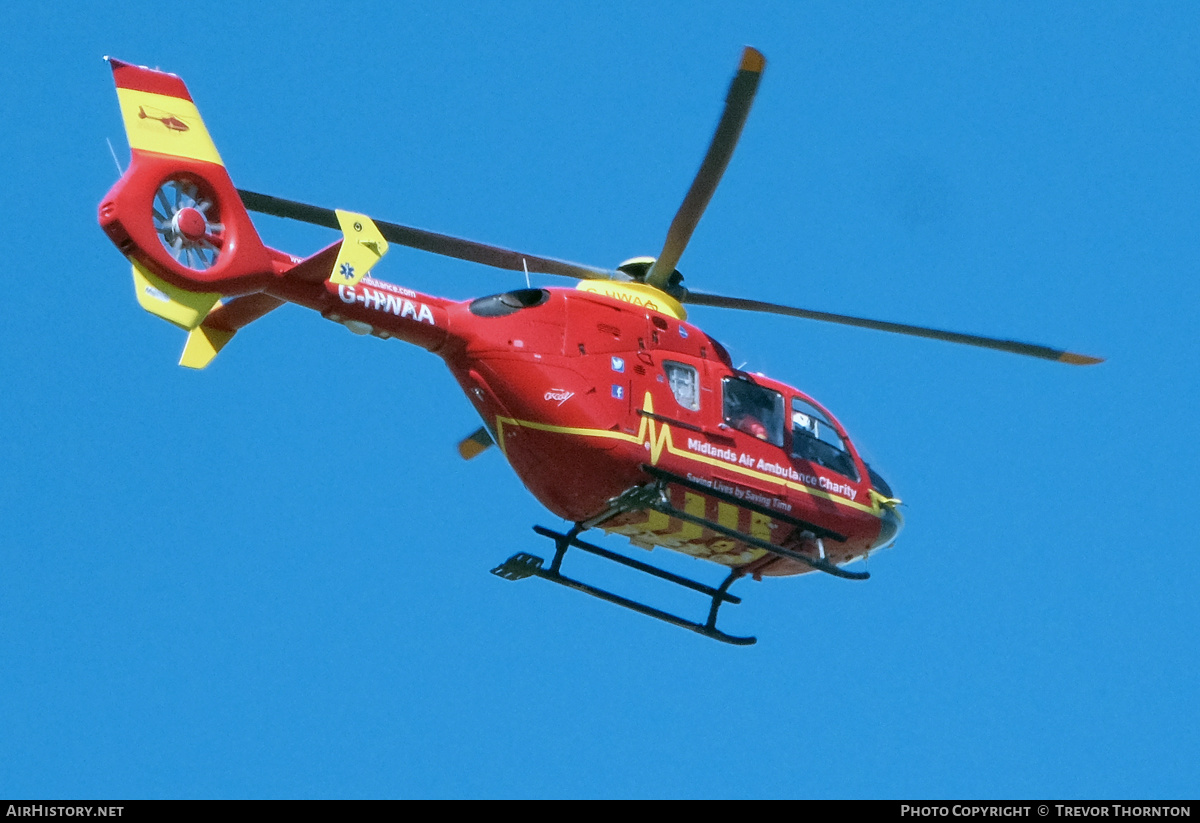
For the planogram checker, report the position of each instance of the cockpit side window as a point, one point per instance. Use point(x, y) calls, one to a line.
point(685, 384)
point(754, 410)
point(816, 440)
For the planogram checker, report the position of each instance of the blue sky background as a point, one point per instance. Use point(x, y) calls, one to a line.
point(270, 579)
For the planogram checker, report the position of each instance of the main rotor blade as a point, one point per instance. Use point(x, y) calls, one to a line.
point(737, 108)
point(431, 241)
point(1027, 349)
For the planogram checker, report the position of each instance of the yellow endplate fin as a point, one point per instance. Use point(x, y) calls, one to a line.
point(362, 247)
point(186, 309)
point(166, 125)
point(637, 294)
point(202, 346)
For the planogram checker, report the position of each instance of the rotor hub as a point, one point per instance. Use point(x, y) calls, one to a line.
point(190, 223)
point(638, 267)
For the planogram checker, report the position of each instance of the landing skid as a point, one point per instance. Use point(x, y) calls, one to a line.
point(523, 565)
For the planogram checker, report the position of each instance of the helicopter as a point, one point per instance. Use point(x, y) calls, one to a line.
point(614, 410)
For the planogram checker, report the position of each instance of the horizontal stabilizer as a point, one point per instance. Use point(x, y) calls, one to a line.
point(222, 323)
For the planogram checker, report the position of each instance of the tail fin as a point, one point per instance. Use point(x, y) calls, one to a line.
point(175, 212)
point(159, 114)
point(178, 218)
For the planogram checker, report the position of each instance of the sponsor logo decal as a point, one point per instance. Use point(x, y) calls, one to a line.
point(783, 470)
point(741, 493)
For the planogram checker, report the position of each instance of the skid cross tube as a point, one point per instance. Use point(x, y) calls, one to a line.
point(526, 565)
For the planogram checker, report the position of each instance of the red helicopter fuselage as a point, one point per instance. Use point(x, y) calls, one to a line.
point(613, 410)
point(587, 394)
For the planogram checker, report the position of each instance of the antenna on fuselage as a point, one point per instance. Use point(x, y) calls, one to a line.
point(113, 152)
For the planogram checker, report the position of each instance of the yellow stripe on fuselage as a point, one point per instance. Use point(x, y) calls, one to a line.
point(166, 125)
point(660, 439)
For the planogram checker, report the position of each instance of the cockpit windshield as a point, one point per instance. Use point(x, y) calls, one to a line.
point(816, 440)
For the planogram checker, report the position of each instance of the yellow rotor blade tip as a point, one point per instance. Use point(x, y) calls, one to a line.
point(752, 60)
point(1079, 359)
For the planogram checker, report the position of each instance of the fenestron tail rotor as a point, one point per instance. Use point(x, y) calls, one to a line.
point(187, 224)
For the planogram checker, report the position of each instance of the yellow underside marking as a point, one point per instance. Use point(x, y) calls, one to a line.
point(656, 522)
point(760, 526)
point(693, 504)
point(167, 125)
point(727, 515)
point(658, 436)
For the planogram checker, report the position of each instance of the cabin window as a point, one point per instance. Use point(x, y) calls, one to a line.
point(754, 410)
point(685, 384)
point(816, 440)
